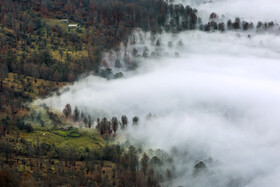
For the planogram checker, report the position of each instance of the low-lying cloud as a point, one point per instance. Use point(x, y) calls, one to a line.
point(219, 98)
point(251, 10)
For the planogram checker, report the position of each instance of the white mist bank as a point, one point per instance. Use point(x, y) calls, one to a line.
point(219, 99)
point(250, 10)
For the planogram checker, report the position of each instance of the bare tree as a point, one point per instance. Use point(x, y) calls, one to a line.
point(89, 121)
point(115, 124)
point(76, 114)
point(124, 121)
point(67, 110)
point(135, 120)
point(144, 163)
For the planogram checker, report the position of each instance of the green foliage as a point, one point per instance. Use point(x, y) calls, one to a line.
point(71, 132)
point(118, 75)
point(59, 138)
point(24, 126)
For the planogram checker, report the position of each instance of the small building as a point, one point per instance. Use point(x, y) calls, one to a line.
point(73, 26)
point(64, 21)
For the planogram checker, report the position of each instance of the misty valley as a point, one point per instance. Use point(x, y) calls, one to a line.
point(141, 93)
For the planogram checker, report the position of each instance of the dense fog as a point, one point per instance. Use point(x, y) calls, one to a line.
point(250, 10)
point(218, 98)
point(213, 97)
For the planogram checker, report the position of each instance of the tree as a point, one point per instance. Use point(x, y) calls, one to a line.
point(3, 73)
point(134, 52)
point(46, 57)
point(76, 114)
point(115, 124)
point(213, 16)
point(89, 121)
point(151, 182)
point(156, 161)
point(145, 52)
point(135, 120)
point(144, 163)
point(236, 24)
point(10, 59)
point(133, 161)
point(67, 110)
point(168, 174)
point(124, 121)
point(221, 27)
point(198, 168)
point(118, 63)
point(86, 121)
point(229, 24)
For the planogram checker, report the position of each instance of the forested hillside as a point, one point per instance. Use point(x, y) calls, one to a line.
point(37, 40)
point(47, 44)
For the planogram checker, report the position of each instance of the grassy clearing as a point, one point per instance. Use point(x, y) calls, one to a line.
point(54, 22)
point(80, 139)
point(63, 134)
